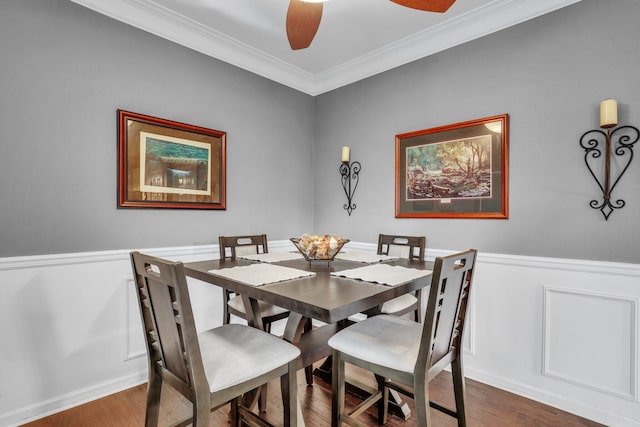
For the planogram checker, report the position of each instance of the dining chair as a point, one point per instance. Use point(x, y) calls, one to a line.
point(232, 247)
point(410, 247)
point(211, 368)
point(404, 355)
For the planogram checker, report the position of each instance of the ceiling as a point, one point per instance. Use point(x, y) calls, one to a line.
point(356, 38)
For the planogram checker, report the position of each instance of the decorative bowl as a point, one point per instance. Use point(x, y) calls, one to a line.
point(319, 248)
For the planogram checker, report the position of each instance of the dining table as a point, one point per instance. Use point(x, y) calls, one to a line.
point(329, 292)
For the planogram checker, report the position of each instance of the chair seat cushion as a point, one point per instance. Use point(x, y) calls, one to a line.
point(398, 304)
point(266, 309)
point(385, 340)
point(233, 354)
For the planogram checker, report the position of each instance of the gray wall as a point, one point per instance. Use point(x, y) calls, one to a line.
point(66, 70)
point(549, 75)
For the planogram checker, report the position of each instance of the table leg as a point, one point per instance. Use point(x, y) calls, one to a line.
point(294, 328)
point(252, 312)
point(254, 319)
point(324, 371)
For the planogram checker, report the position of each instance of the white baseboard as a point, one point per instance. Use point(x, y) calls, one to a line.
point(69, 400)
point(555, 400)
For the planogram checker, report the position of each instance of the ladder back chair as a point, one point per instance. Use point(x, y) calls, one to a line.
point(411, 247)
point(211, 368)
point(232, 247)
point(405, 355)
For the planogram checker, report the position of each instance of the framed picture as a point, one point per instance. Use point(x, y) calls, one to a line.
point(166, 164)
point(454, 171)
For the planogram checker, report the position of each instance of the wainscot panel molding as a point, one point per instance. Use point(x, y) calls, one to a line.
point(602, 333)
point(72, 332)
point(75, 334)
point(134, 345)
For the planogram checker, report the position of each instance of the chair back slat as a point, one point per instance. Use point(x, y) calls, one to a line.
point(233, 246)
point(447, 307)
point(166, 312)
point(411, 247)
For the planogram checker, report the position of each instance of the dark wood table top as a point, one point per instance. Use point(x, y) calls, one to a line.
point(323, 297)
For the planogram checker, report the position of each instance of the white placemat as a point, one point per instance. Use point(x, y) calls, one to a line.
point(273, 256)
point(261, 273)
point(384, 274)
point(368, 257)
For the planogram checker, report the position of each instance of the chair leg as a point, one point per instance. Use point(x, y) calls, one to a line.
point(308, 374)
point(234, 415)
point(289, 386)
point(383, 404)
point(418, 312)
point(262, 399)
point(308, 370)
point(459, 391)
point(421, 400)
point(337, 389)
point(226, 316)
point(154, 390)
point(201, 411)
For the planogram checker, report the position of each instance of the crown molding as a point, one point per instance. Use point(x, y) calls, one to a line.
point(162, 22)
point(493, 17)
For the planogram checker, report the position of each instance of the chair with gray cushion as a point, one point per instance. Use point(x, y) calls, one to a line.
point(211, 368)
point(232, 247)
point(410, 247)
point(405, 355)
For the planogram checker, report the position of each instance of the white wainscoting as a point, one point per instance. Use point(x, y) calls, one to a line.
point(601, 332)
point(563, 332)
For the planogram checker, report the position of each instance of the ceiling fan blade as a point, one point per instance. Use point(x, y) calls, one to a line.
point(303, 20)
point(439, 6)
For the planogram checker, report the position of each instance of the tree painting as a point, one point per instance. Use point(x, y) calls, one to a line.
point(453, 169)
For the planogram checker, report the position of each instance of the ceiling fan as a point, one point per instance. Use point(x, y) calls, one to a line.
point(303, 17)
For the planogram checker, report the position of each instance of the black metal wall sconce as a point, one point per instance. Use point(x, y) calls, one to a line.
point(349, 176)
point(593, 141)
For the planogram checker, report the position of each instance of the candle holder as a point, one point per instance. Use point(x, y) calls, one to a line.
point(349, 176)
point(594, 142)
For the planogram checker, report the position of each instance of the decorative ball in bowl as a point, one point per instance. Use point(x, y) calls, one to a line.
point(319, 248)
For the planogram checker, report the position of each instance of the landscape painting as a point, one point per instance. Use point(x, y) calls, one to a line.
point(454, 171)
point(451, 169)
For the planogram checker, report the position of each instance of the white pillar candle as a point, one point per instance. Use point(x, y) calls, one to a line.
point(608, 113)
point(345, 154)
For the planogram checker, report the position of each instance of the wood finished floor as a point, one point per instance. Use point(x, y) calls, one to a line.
point(486, 406)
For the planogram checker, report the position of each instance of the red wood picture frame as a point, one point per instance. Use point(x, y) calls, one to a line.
point(167, 164)
point(454, 171)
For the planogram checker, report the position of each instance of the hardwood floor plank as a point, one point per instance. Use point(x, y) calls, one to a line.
point(486, 406)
